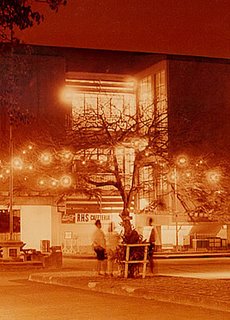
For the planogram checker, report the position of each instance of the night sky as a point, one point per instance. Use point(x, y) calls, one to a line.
point(193, 27)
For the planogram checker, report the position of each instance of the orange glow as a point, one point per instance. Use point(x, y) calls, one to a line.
point(17, 163)
point(67, 156)
point(66, 95)
point(66, 181)
point(182, 161)
point(46, 158)
point(213, 176)
point(188, 174)
point(41, 182)
point(172, 177)
point(54, 183)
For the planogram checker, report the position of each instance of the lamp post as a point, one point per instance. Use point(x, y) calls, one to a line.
point(181, 161)
point(11, 180)
point(11, 247)
point(176, 207)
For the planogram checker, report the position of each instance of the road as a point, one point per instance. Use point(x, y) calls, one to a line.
point(193, 267)
point(24, 300)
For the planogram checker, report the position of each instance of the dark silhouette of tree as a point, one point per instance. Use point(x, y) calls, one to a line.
point(203, 190)
point(115, 147)
point(19, 14)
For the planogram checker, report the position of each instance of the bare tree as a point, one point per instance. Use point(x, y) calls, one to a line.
point(203, 190)
point(114, 145)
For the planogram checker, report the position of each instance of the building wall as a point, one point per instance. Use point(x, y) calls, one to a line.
point(199, 97)
point(37, 88)
point(35, 225)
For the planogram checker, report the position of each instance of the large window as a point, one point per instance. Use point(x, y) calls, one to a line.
point(113, 100)
point(152, 98)
point(110, 98)
point(160, 99)
point(110, 105)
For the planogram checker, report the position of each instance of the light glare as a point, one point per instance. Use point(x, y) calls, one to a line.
point(66, 181)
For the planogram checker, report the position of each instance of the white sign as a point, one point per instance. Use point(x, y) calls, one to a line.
point(90, 217)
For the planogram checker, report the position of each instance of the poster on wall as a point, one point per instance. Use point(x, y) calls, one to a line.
point(67, 218)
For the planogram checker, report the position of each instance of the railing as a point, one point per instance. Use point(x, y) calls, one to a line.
point(70, 246)
point(144, 261)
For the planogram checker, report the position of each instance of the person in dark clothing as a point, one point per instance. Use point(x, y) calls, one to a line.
point(152, 240)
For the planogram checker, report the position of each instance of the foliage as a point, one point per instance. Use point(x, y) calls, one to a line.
point(19, 14)
point(203, 189)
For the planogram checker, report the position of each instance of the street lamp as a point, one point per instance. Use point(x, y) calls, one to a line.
point(11, 181)
point(181, 162)
point(213, 177)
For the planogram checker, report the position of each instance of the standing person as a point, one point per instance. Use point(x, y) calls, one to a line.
point(99, 246)
point(152, 245)
point(112, 242)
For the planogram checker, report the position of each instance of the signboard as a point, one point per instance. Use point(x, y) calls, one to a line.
point(90, 217)
point(89, 210)
point(84, 217)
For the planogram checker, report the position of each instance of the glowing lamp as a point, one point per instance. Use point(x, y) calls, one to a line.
point(182, 161)
point(172, 176)
point(46, 158)
point(66, 181)
point(67, 156)
point(54, 183)
point(41, 182)
point(213, 176)
point(17, 163)
point(66, 95)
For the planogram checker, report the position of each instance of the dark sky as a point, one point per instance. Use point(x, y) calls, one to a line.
point(193, 27)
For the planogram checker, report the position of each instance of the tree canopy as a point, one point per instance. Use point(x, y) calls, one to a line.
point(19, 14)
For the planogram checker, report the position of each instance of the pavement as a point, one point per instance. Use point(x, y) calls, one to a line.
point(208, 290)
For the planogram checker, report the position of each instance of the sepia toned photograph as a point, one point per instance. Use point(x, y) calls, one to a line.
point(114, 159)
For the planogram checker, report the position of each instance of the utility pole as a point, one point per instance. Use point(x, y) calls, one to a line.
point(175, 207)
point(11, 181)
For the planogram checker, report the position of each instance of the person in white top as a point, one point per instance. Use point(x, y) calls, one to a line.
point(112, 242)
point(99, 246)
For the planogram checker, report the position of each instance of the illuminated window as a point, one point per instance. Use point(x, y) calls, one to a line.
point(145, 91)
point(160, 98)
point(146, 183)
point(114, 99)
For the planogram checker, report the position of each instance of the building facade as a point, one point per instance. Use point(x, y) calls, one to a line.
point(179, 103)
